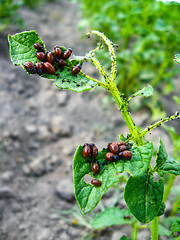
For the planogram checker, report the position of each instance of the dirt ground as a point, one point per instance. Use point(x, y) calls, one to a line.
point(40, 129)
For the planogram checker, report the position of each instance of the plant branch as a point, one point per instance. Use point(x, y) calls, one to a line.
point(100, 68)
point(101, 84)
point(134, 230)
point(111, 50)
point(154, 228)
point(175, 207)
point(168, 187)
point(157, 124)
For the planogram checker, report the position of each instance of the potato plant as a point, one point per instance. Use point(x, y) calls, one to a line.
point(143, 192)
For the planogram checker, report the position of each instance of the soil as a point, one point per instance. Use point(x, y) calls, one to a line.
point(40, 129)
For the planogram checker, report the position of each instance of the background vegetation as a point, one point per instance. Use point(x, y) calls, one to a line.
point(147, 34)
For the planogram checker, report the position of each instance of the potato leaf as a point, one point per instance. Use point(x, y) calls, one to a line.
point(112, 216)
point(144, 197)
point(87, 195)
point(171, 166)
point(145, 92)
point(22, 50)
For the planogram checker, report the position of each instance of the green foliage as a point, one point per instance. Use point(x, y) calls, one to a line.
point(161, 155)
point(171, 166)
point(22, 50)
point(88, 196)
point(9, 11)
point(145, 92)
point(143, 193)
point(144, 197)
point(163, 231)
point(175, 227)
point(111, 216)
point(147, 33)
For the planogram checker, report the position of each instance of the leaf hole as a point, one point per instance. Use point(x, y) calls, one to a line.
point(87, 178)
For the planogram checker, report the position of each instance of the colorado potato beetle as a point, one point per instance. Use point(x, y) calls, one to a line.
point(58, 52)
point(76, 69)
point(30, 67)
point(123, 148)
point(50, 57)
point(49, 68)
point(94, 150)
point(39, 68)
point(113, 147)
point(38, 46)
point(86, 152)
point(62, 63)
point(96, 183)
point(95, 168)
point(41, 56)
point(125, 155)
point(67, 53)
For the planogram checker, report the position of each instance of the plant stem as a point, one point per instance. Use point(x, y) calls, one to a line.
point(168, 187)
point(178, 238)
point(154, 228)
point(122, 104)
point(175, 206)
point(134, 230)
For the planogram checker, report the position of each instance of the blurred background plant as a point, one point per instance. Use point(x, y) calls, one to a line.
point(9, 11)
point(147, 34)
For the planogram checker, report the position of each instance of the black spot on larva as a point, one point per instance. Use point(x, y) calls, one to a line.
point(63, 81)
point(68, 81)
point(78, 85)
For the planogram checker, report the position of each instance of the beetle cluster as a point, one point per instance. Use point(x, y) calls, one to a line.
point(50, 61)
point(116, 152)
point(91, 151)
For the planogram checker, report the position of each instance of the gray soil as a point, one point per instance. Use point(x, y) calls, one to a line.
point(40, 129)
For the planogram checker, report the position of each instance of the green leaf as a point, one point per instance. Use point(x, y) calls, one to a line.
point(22, 50)
point(87, 195)
point(178, 210)
point(168, 221)
point(161, 154)
point(22, 47)
point(176, 226)
point(177, 99)
point(144, 197)
point(171, 166)
point(78, 83)
point(124, 238)
point(161, 210)
point(111, 216)
point(145, 92)
point(177, 58)
point(163, 231)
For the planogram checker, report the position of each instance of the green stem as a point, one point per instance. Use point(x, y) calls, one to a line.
point(100, 68)
point(122, 104)
point(134, 230)
point(111, 51)
point(154, 228)
point(157, 124)
point(178, 238)
point(168, 187)
point(175, 206)
point(101, 84)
